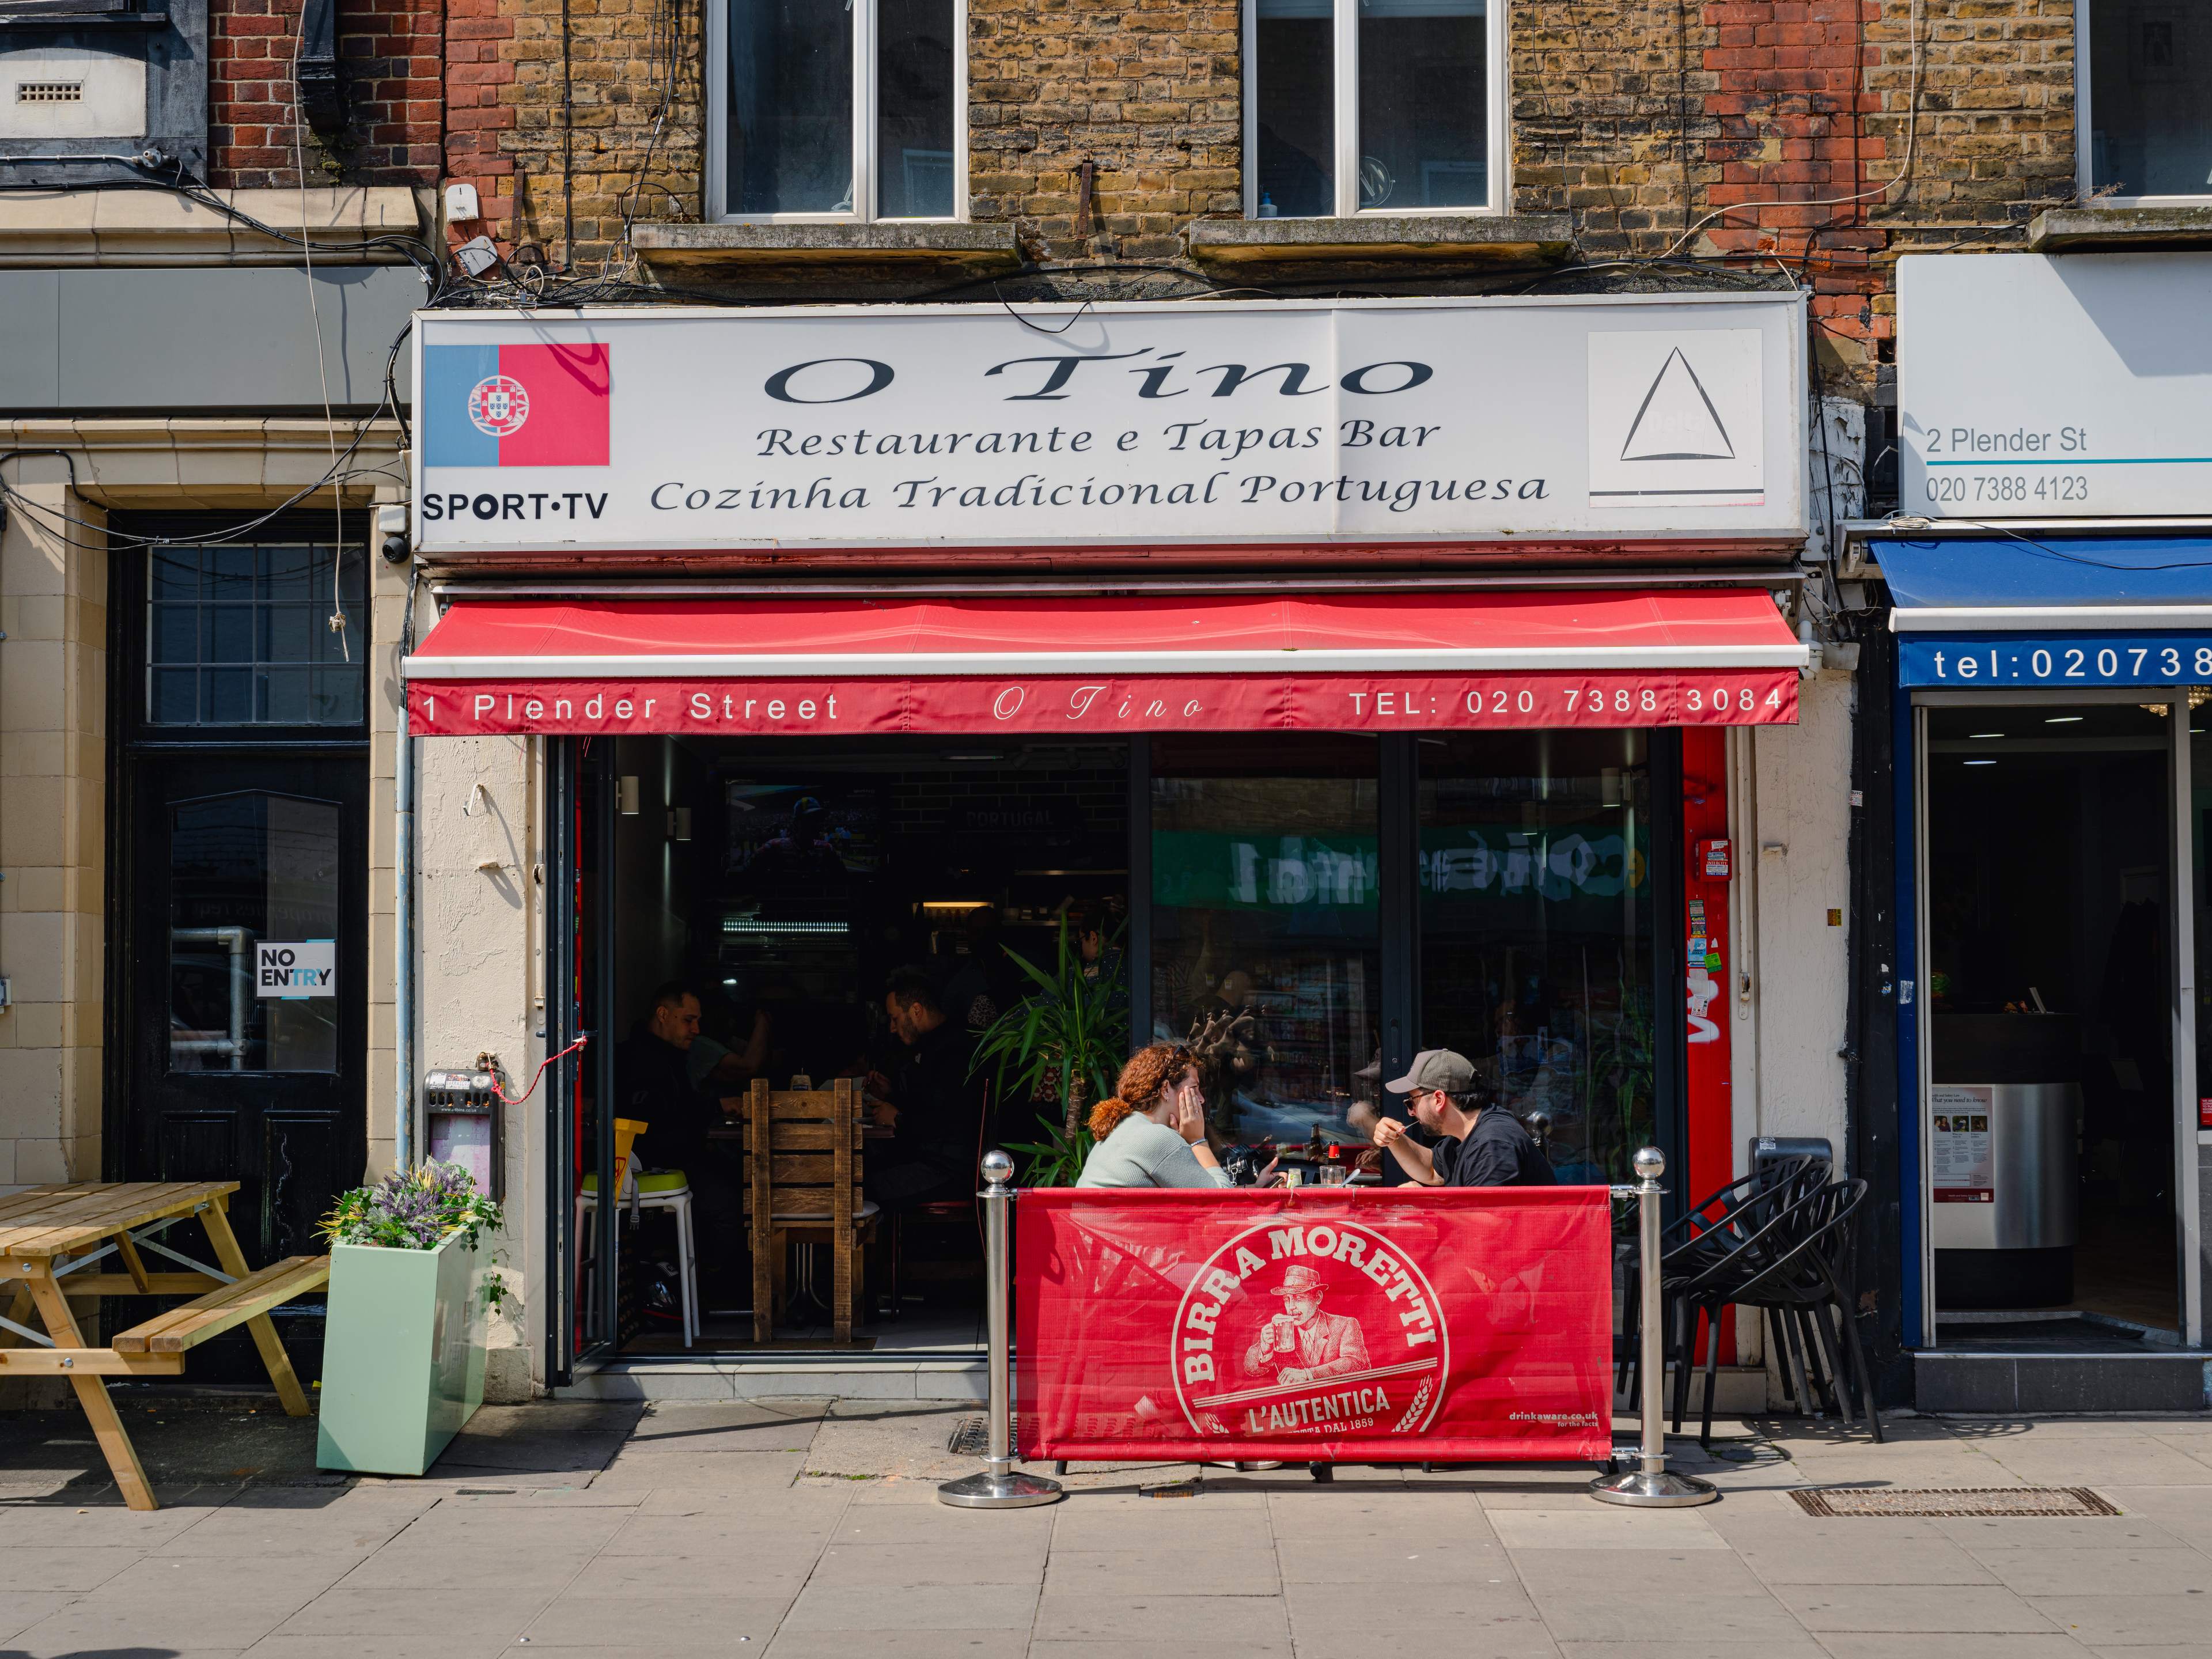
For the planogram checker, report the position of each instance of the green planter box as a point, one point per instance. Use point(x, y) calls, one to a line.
point(404, 1358)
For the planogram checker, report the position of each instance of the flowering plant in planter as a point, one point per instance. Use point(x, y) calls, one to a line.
point(417, 1209)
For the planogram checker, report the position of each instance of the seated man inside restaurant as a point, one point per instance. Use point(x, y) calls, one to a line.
point(653, 1085)
point(934, 1108)
point(1483, 1144)
point(725, 1067)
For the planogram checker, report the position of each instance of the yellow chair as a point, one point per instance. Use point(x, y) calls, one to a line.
point(668, 1190)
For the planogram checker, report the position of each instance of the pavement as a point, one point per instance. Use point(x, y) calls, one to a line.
point(806, 1528)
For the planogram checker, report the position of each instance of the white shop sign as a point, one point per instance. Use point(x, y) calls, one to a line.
point(1624, 419)
point(308, 968)
point(2031, 387)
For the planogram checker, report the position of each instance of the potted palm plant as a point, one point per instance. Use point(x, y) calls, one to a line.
point(410, 1288)
point(1064, 1042)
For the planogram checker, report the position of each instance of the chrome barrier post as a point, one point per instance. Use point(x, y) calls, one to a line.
point(1651, 1485)
point(1001, 1486)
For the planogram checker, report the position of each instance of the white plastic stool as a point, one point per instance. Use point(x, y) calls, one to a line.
point(670, 1191)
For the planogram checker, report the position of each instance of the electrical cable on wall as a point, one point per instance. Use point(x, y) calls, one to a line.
point(337, 618)
point(538, 1075)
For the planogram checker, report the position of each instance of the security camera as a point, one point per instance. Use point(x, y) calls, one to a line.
point(392, 525)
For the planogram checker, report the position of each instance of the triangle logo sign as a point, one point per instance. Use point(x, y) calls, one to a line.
point(1676, 421)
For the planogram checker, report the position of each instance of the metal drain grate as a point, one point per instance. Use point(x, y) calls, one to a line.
point(1941, 1502)
point(971, 1438)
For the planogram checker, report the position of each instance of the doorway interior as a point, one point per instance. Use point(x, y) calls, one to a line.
point(2049, 1102)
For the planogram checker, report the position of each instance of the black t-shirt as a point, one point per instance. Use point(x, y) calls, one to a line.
point(940, 1106)
point(1497, 1153)
point(653, 1085)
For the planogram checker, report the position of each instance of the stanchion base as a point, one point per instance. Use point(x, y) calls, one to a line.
point(994, 1490)
point(1663, 1491)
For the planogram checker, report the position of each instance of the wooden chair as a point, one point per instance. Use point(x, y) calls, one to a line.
point(803, 1185)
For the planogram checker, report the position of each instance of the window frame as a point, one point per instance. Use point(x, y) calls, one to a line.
point(2085, 182)
point(1345, 82)
point(867, 171)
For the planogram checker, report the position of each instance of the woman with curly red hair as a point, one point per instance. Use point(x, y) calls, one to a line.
point(1152, 1133)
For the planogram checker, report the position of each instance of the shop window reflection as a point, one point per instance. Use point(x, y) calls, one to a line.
point(1536, 906)
point(1266, 923)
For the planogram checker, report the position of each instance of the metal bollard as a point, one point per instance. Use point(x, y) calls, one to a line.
point(1652, 1484)
point(1001, 1486)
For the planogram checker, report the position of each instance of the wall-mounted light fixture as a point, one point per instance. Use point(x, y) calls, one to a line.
point(679, 823)
point(626, 796)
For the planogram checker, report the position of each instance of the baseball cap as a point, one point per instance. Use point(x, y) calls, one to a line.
point(1435, 1068)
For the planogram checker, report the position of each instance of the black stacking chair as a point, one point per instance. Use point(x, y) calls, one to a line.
point(1811, 1307)
point(1789, 1270)
point(1721, 1220)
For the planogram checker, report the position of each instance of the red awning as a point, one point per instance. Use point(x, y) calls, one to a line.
point(1349, 662)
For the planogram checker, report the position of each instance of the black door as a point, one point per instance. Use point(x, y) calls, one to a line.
point(237, 1029)
point(250, 871)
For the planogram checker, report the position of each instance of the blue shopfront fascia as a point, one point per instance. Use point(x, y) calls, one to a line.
point(2006, 612)
point(2063, 613)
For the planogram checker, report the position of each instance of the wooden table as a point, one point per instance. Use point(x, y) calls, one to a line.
point(53, 1241)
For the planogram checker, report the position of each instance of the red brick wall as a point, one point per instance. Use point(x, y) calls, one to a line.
point(388, 60)
point(478, 41)
point(1793, 157)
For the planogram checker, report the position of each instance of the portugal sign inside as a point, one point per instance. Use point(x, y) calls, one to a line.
point(1397, 1325)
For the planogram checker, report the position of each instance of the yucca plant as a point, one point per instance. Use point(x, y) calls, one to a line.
point(1065, 1041)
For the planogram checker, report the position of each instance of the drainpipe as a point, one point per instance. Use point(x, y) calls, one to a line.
point(403, 904)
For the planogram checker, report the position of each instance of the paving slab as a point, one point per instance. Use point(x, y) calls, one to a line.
point(660, 1623)
point(2096, 1532)
point(1868, 1558)
point(1135, 1613)
point(2101, 1571)
point(1703, 1572)
point(1604, 1526)
point(20, 1609)
point(453, 1645)
point(100, 1622)
point(1927, 1608)
point(1582, 1615)
point(1244, 1569)
point(2129, 1620)
point(1905, 1645)
point(947, 1561)
point(903, 1644)
point(2140, 1462)
point(939, 1607)
point(722, 1471)
point(367, 1616)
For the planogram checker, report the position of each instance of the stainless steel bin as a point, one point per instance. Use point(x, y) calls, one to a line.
point(2004, 1200)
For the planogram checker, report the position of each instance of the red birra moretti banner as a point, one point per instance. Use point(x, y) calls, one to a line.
point(1378, 1325)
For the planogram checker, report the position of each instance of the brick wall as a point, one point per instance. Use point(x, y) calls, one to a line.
point(1149, 91)
point(1766, 135)
point(388, 61)
point(635, 131)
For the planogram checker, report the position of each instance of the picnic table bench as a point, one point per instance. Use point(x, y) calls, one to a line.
point(51, 1239)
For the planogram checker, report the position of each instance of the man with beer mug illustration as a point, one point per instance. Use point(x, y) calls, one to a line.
point(1301, 1344)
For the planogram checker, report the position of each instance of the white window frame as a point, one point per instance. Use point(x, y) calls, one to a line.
point(2085, 127)
point(867, 168)
point(1345, 81)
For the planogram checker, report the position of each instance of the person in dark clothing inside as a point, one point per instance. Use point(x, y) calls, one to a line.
point(653, 1085)
point(934, 1110)
point(1483, 1145)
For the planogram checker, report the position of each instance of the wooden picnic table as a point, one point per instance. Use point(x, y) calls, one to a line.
point(52, 1238)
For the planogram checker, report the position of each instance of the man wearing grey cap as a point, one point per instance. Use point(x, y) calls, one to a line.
point(1483, 1145)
